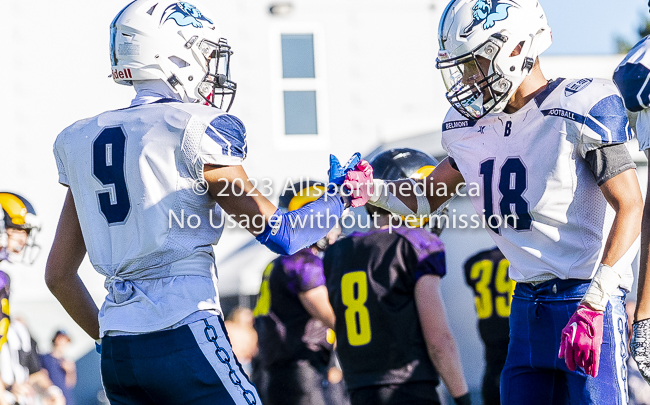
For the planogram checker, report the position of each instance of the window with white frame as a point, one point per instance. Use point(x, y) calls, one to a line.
point(300, 105)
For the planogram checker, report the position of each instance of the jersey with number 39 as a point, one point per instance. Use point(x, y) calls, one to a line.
point(536, 192)
point(135, 175)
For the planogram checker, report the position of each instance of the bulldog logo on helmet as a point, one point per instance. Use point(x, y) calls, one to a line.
point(488, 12)
point(184, 14)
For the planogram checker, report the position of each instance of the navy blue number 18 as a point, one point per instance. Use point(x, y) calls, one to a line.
point(108, 168)
point(512, 184)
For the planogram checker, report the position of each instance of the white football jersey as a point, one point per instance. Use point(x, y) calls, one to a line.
point(548, 215)
point(136, 177)
point(632, 77)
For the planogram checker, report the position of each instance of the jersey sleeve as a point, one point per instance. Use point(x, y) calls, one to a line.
point(595, 114)
point(224, 142)
point(429, 253)
point(304, 272)
point(632, 77)
point(59, 156)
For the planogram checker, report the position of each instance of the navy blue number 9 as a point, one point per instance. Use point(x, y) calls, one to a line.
point(108, 168)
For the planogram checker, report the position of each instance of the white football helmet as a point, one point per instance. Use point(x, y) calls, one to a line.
point(487, 48)
point(177, 43)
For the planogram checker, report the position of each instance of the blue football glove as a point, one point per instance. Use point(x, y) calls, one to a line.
point(337, 172)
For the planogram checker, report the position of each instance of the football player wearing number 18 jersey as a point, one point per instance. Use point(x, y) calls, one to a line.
point(558, 192)
point(146, 188)
point(393, 339)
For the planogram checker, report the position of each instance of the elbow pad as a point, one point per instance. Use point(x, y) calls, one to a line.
point(286, 233)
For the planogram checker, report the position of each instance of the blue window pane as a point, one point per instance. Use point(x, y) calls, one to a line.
point(300, 112)
point(297, 55)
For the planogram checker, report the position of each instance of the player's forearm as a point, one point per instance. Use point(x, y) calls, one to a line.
point(420, 198)
point(623, 194)
point(441, 345)
point(317, 303)
point(77, 302)
point(66, 255)
point(70, 379)
point(397, 196)
point(445, 357)
point(643, 290)
point(287, 233)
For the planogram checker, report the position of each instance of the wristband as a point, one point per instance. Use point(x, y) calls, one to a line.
point(377, 191)
point(605, 282)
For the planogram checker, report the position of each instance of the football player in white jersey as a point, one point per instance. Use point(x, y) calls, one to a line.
point(631, 77)
point(557, 190)
point(146, 189)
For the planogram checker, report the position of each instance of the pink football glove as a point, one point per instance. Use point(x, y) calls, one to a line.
point(581, 340)
point(359, 184)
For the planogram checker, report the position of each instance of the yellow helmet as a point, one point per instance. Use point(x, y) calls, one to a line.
point(299, 194)
point(18, 213)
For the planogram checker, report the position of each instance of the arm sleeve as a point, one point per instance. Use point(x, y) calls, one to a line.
point(287, 233)
point(608, 161)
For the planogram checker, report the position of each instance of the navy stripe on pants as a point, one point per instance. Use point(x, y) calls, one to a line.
point(178, 366)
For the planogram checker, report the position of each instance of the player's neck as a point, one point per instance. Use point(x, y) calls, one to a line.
point(532, 85)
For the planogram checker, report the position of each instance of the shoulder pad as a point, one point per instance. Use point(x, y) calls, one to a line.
point(632, 76)
point(229, 132)
point(595, 107)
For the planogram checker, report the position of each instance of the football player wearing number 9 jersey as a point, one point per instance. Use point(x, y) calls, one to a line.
point(557, 190)
point(146, 189)
point(393, 339)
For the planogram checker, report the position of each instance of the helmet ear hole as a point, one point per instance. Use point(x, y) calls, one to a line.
point(518, 48)
point(178, 61)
